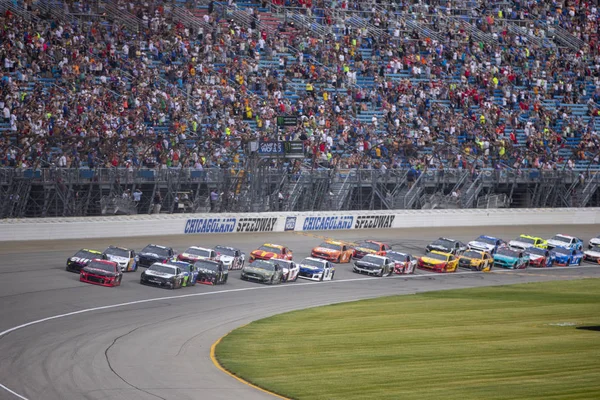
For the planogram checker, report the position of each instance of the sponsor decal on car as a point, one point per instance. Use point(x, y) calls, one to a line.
point(374, 221)
point(290, 223)
point(256, 224)
point(210, 225)
point(327, 223)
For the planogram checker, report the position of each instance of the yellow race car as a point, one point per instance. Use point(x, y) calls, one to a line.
point(437, 261)
point(476, 260)
point(523, 242)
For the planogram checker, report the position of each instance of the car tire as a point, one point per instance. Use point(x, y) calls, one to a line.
point(271, 281)
point(380, 274)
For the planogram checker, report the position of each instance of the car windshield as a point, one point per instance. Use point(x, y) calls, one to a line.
point(398, 256)
point(117, 252)
point(163, 269)
point(444, 242)
point(226, 251)
point(330, 246)
point(182, 265)
point(472, 254)
point(312, 263)
point(87, 254)
point(562, 250)
point(595, 248)
point(563, 239)
point(369, 245)
point(537, 251)
point(267, 266)
point(373, 260)
point(508, 252)
point(204, 264)
point(525, 240)
point(161, 251)
point(436, 256)
point(102, 266)
point(198, 252)
point(270, 249)
point(486, 239)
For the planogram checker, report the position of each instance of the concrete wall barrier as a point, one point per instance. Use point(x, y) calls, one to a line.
point(197, 224)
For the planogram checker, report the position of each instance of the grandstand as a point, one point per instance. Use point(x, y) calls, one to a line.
point(500, 86)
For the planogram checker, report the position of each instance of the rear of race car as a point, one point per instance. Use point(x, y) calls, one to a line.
point(592, 256)
point(98, 278)
point(311, 273)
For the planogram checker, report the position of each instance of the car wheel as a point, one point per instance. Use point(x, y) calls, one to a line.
point(381, 272)
point(332, 274)
point(390, 272)
point(321, 278)
point(271, 281)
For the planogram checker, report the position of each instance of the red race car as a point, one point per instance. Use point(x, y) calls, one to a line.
point(101, 272)
point(268, 251)
point(403, 263)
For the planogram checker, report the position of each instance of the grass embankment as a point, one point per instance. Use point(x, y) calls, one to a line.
point(506, 342)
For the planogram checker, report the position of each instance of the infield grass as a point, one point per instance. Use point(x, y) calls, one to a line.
point(507, 342)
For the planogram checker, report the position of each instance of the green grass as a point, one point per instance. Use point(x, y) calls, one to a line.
point(485, 343)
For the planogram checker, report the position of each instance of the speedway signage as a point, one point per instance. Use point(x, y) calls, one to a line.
point(210, 225)
point(256, 224)
point(374, 221)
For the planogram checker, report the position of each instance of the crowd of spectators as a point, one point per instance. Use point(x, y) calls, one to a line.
point(173, 94)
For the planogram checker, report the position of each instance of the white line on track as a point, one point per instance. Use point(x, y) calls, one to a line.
point(87, 310)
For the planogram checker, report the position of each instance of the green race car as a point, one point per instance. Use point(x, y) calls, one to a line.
point(263, 271)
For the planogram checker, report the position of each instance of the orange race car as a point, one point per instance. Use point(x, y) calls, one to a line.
point(333, 251)
point(268, 251)
point(370, 247)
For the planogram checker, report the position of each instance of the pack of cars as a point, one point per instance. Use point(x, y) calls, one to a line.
point(273, 263)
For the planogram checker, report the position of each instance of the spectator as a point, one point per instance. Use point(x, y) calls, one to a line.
point(157, 201)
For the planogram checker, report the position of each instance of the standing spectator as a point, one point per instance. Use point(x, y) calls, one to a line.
point(137, 197)
point(157, 203)
point(214, 197)
point(280, 199)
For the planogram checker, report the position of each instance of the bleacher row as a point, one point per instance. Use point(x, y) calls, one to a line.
point(368, 83)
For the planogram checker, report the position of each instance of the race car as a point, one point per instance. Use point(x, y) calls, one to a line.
point(445, 245)
point(316, 269)
point(486, 243)
point(513, 258)
point(594, 242)
point(403, 263)
point(566, 257)
point(290, 269)
point(101, 272)
point(190, 273)
point(372, 264)
point(476, 260)
point(122, 256)
point(264, 271)
point(196, 253)
point(333, 251)
point(82, 258)
point(370, 247)
point(268, 251)
point(231, 257)
point(154, 253)
point(540, 258)
point(570, 242)
point(437, 261)
point(524, 242)
point(163, 275)
point(592, 254)
point(211, 272)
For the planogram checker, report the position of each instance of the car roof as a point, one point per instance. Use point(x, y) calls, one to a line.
point(529, 237)
point(107, 262)
point(488, 237)
point(226, 247)
point(480, 252)
point(397, 252)
point(314, 259)
point(277, 246)
point(199, 248)
point(373, 241)
point(163, 265)
point(158, 245)
point(91, 251)
point(119, 247)
point(337, 242)
point(565, 236)
point(280, 261)
point(375, 255)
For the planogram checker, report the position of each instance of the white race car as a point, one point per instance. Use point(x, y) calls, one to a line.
point(592, 254)
point(594, 242)
point(125, 258)
point(290, 269)
point(231, 257)
point(196, 253)
point(570, 242)
point(316, 269)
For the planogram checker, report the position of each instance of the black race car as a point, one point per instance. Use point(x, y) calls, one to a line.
point(211, 272)
point(154, 253)
point(82, 258)
point(446, 245)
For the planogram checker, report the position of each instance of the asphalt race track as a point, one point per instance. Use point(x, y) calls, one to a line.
point(159, 349)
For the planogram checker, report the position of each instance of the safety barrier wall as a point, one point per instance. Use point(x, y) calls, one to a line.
point(197, 224)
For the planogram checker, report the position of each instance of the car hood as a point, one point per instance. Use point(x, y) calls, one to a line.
point(98, 271)
point(469, 260)
point(518, 243)
point(592, 253)
point(204, 271)
point(304, 267)
point(535, 257)
point(365, 250)
point(80, 261)
point(439, 247)
point(430, 260)
point(366, 264)
point(258, 271)
point(194, 256)
point(326, 250)
point(481, 245)
point(263, 254)
point(561, 256)
point(118, 259)
point(151, 255)
point(595, 240)
point(158, 274)
point(225, 259)
point(505, 258)
point(555, 243)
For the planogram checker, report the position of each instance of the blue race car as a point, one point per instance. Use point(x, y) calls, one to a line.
point(190, 272)
point(541, 258)
point(486, 243)
point(566, 257)
point(507, 257)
